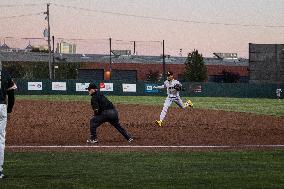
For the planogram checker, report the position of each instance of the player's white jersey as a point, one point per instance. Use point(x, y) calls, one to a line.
point(278, 92)
point(169, 85)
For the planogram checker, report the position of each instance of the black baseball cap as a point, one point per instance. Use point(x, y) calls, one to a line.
point(169, 73)
point(92, 86)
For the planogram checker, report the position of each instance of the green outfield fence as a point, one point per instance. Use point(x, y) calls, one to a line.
point(140, 88)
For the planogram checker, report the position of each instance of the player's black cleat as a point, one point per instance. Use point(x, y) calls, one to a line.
point(2, 176)
point(92, 141)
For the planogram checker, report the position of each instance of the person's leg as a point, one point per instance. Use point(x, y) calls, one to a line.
point(114, 120)
point(3, 123)
point(2, 148)
point(95, 122)
point(179, 102)
point(167, 104)
point(182, 105)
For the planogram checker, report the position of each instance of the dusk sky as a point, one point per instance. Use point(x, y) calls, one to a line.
point(206, 25)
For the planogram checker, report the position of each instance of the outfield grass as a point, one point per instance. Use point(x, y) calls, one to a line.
point(144, 170)
point(264, 106)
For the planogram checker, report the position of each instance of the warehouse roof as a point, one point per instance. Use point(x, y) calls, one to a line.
point(103, 58)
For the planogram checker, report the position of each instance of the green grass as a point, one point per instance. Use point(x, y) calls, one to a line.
point(264, 106)
point(144, 170)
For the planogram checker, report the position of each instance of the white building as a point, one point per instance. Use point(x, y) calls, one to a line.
point(64, 47)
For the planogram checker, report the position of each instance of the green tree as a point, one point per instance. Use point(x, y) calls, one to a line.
point(195, 69)
point(153, 76)
point(27, 70)
point(40, 70)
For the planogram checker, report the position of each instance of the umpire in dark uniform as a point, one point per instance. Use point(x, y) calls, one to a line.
point(104, 111)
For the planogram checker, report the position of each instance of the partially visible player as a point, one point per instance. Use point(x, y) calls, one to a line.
point(278, 93)
point(6, 106)
point(173, 88)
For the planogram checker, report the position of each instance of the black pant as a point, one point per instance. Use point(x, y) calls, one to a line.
point(110, 116)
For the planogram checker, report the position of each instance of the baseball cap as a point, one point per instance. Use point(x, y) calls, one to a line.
point(92, 86)
point(169, 73)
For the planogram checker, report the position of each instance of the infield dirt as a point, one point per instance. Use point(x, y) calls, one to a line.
point(67, 123)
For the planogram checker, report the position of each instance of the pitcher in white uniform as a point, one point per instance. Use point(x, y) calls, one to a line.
point(173, 88)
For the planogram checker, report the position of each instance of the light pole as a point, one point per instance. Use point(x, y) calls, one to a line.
point(164, 62)
point(110, 61)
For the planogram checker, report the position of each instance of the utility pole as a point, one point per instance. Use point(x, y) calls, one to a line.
point(48, 41)
point(110, 55)
point(53, 60)
point(0, 72)
point(164, 62)
point(134, 49)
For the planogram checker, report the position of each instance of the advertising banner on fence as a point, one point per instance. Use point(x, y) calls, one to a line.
point(198, 89)
point(149, 88)
point(129, 87)
point(34, 86)
point(59, 86)
point(106, 86)
point(82, 86)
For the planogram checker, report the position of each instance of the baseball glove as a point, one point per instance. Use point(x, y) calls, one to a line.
point(177, 87)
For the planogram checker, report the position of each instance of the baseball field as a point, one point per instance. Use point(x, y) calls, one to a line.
point(220, 143)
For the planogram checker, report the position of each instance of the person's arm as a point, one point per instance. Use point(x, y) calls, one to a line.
point(95, 103)
point(13, 87)
point(11, 96)
point(160, 86)
point(11, 100)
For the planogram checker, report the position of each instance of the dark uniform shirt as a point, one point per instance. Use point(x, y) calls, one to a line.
point(6, 82)
point(100, 103)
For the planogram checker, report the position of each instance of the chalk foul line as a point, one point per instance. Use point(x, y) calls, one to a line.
point(136, 146)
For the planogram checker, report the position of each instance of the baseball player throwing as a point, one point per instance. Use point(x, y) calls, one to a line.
point(173, 87)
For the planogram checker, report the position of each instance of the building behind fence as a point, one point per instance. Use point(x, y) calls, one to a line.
point(264, 70)
point(31, 65)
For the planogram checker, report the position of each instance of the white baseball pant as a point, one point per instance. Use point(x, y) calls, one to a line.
point(168, 103)
point(3, 123)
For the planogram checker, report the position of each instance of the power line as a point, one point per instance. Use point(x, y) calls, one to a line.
point(82, 39)
point(23, 15)
point(105, 39)
point(41, 38)
point(170, 19)
point(16, 38)
point(120, 41)
point(19, 5)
